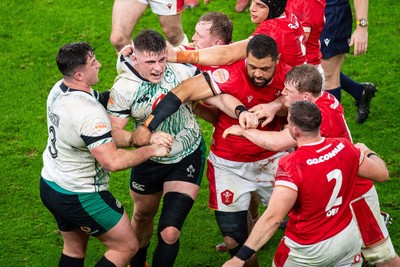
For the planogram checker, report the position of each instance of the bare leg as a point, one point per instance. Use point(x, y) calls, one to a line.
point(172, 28)
point(332, 68)
point(121, 242)
point(75, 243)
point(125, 15)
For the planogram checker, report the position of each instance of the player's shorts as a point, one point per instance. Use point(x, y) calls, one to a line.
point(165, 7)
point(366, 211)
point(94, 213)
point(336, 34)
point(149, 177)
point(231, 182)
point(343, 249)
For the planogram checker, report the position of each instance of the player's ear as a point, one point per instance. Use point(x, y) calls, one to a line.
point(278, 58)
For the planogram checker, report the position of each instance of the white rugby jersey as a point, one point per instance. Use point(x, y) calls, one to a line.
point(76, 123)
point(131, 95)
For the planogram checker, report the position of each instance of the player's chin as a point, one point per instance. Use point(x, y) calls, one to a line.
point(155, 78)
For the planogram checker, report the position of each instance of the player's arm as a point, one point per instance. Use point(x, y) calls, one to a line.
point(270, 140)
point(206, 112)
point(122, 137)
point(282, 200)
point(115, 159)
point(211, 56)
point(372, 166)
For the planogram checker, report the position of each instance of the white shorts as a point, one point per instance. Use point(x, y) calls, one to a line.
point(231, 182)
point(165, 7)
point(343, 249)
point(367, 216)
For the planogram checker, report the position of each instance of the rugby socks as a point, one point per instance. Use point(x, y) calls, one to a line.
point(67, 261)
point(336, 92)
point(104, 262)
point(350, 86)
point(139, 260)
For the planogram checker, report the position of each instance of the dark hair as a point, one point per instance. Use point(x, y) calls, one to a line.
point(149, 41)
point(305, 78)
point(222, 25)
point(262, 46)
point(276, 7)
point(305, 115)
point(72, 56)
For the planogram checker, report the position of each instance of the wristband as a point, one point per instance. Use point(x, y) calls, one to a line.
point(245, 253)
point(368, 153)
point(239, 109)
point(187, 57)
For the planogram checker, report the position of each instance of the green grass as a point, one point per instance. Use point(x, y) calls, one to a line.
point(31, 32)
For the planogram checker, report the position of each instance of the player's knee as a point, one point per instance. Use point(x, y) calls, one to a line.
point(118, 40)
point(175, 209)
point(234, 228)
point(230, 242)
point(170, 235)
point(174, 35)
point(143, 217)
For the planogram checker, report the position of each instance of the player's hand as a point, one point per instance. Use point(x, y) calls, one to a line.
point(160, 150)
point(234, 262)
point(265, 112)
point(141, 136)
point(161, 138)
point(359, 39)
point(248, 120)
point(233, 130)
point(127, 50)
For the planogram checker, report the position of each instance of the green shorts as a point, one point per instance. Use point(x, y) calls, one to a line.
point(94, 213)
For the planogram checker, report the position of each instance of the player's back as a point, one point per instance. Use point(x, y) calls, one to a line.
point(311, 15)
point(324, 175)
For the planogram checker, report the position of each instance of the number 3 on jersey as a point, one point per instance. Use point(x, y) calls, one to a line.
point(52, 149)
point(334, 200)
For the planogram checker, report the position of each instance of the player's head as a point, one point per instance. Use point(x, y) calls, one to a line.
point(261, 10)
point(303, 82)
point(150, 57)
point(77, 61)
point(213, 28)
point(262, 58)
point(304, 119)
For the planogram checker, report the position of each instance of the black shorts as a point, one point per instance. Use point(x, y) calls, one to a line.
point(149, 177)
point(335, 36)
point(94, 213)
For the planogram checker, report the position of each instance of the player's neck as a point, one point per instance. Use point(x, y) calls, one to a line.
point(305, 140)
point(77, 85)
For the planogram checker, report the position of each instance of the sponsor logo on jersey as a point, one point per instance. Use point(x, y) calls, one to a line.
point(327, 156)
point(138, 187)
point(327, 41)
point(220, 75)
point(169, 5)
point(249, 98)
point(99, 126)
point(190, 170)
point(227, 197)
